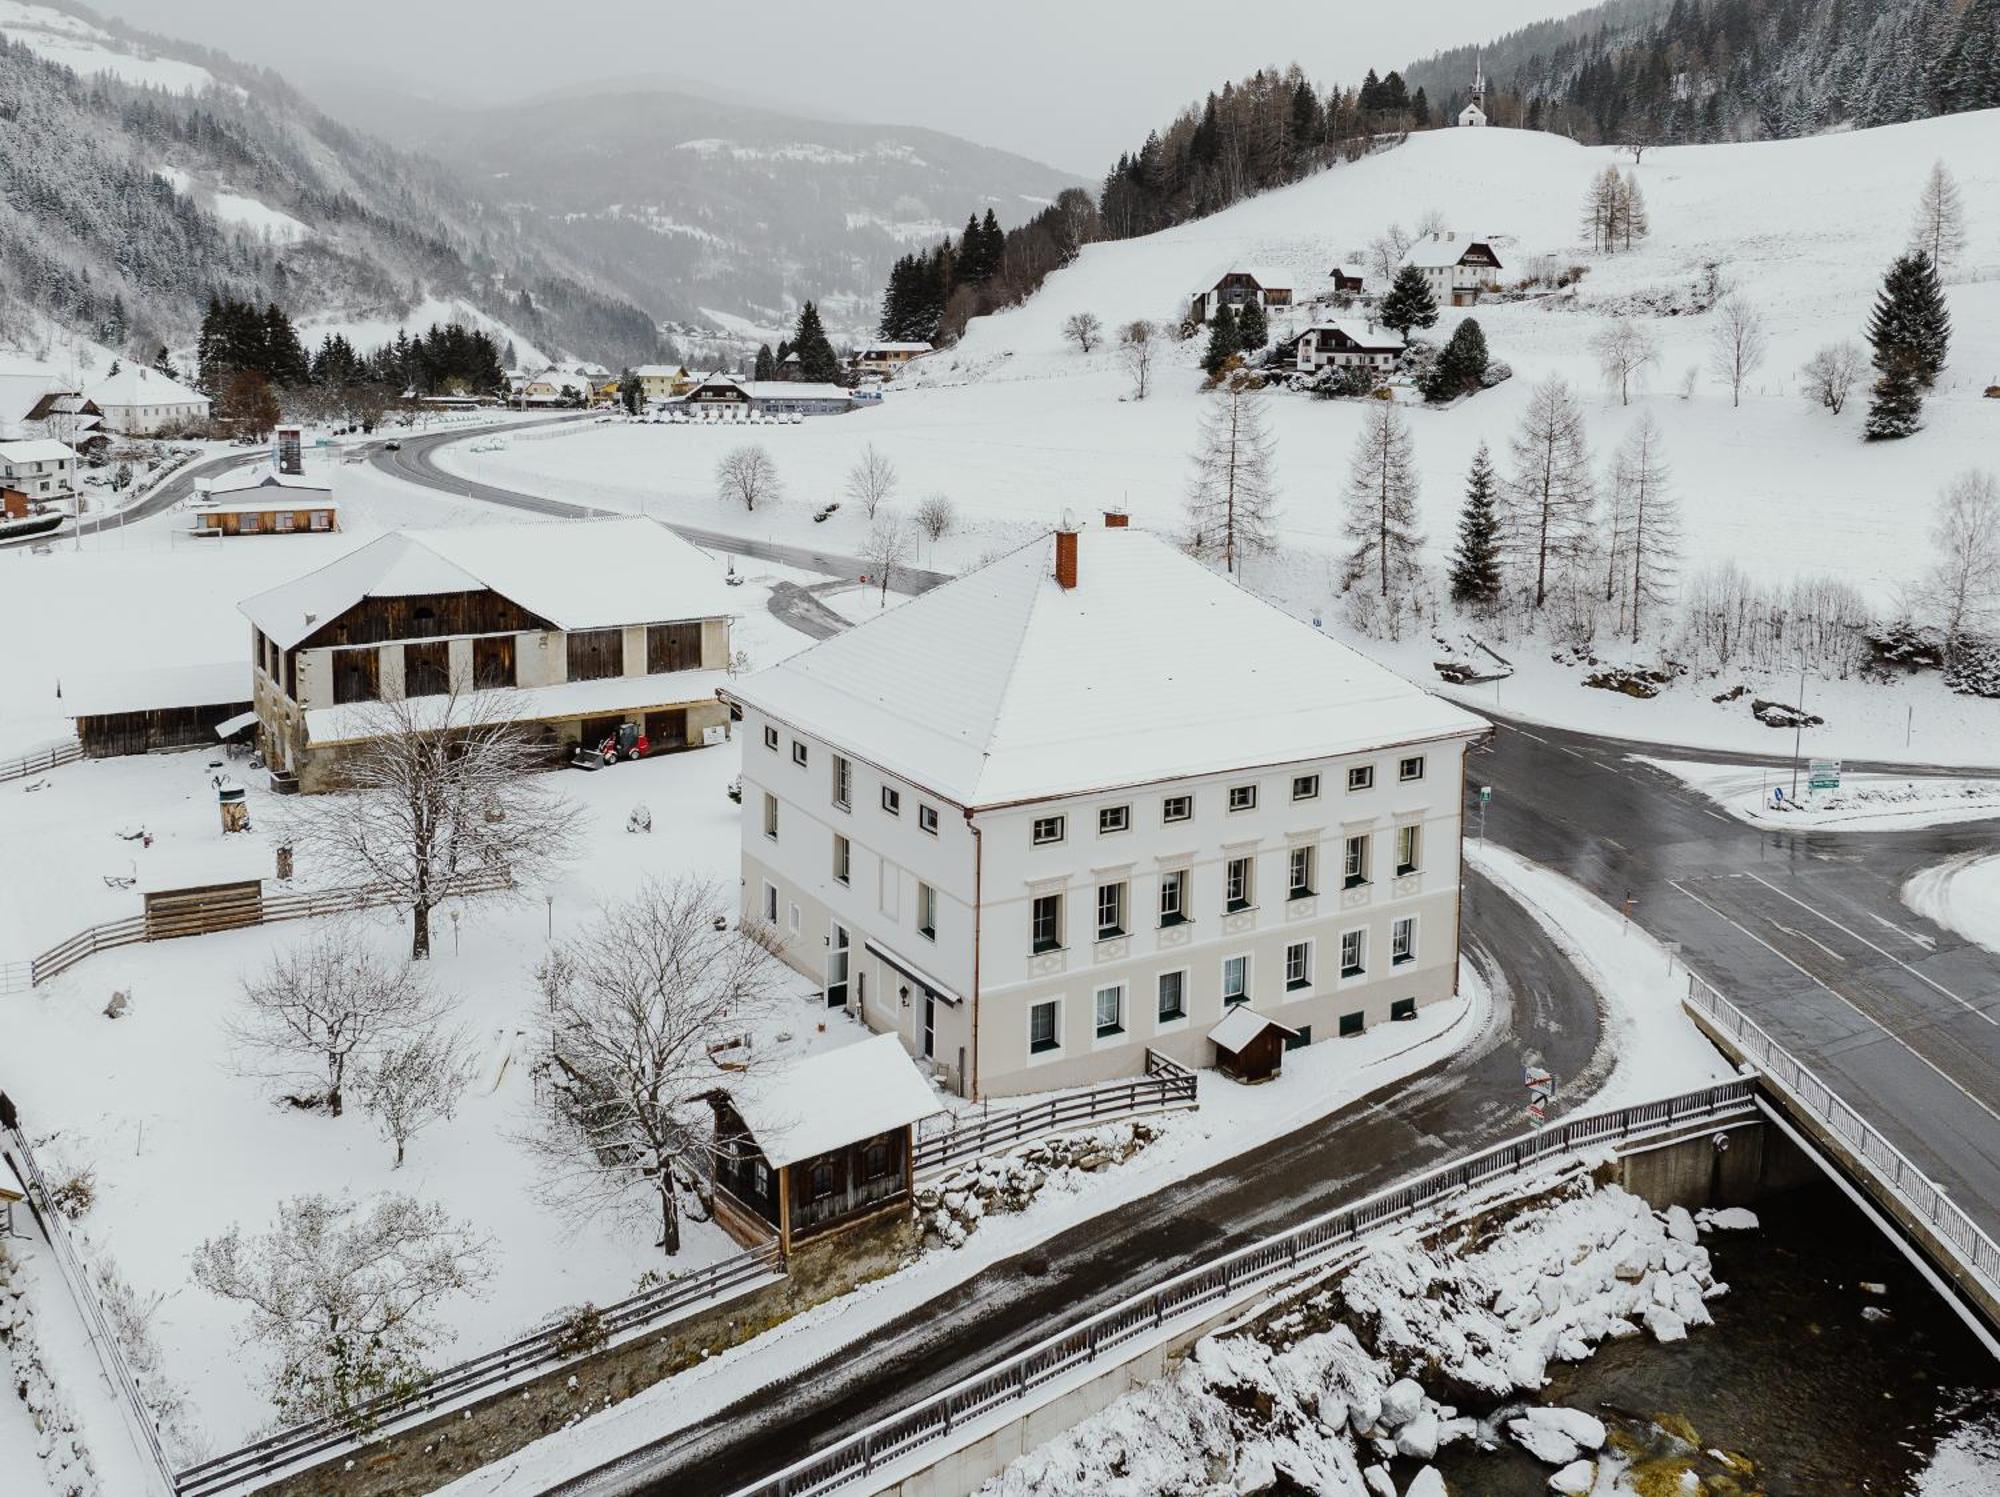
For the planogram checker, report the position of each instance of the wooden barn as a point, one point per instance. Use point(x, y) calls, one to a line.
point(819, 1144)
point(143, 712)
point(1249, 1046)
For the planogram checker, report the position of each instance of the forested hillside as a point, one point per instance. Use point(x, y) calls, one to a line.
point(125, 207)
point(1709, 70)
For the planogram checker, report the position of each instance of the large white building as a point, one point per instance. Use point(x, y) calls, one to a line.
point(137, 401)
point(1086, 800)
point(1458, 268)
point(43, 469)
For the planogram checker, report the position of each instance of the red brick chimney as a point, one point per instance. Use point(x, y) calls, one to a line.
point(1066, 558)
point(1116, 519)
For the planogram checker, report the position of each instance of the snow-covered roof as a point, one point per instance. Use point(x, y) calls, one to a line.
point(41, 450)
point(577, 574)
point(1267, 277)
point(1442, 248)
point(894, 347)
point(1002, 686)
point(1353, 270)
point(207, 685)
point(612, 694)
point(265, 507)
point(660, 371)
point(1240, 1026)
point(837, 1097)
point(136, 384)
point(1361, 331)
point(19, 394)
point(248, 485)
point(795, 389)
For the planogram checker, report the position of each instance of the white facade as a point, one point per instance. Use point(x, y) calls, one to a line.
point(1348, 343)
point(1029, 942)
point(138, 401)
point(44, 470)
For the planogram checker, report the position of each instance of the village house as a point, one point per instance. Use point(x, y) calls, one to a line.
point(1348, 279)
point(663, 381)
point(41, 468)
point(68, 417)
point(1347, 342)
point(276, 504)
point(575, 627)
point(885, 358)
point(142, 402)
point(1457, 267)
point(1268, 288)
point(819, 1144)
point(1077, 805)
point(555, 387)
point(724, 397)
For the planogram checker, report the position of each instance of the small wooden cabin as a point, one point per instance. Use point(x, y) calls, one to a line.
point(143, 712)
point(272, 507)
point(1249, 1046)
point(819, 1144)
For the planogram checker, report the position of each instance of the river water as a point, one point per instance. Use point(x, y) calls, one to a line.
point(1816, 1396)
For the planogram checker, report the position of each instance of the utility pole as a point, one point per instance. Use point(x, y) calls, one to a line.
point(1798, 728)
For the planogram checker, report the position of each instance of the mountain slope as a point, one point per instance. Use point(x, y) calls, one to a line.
point(686, 204)
point(138, 178)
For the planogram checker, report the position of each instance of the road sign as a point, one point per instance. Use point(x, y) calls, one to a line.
point(1823, 774)
point(1485, 794)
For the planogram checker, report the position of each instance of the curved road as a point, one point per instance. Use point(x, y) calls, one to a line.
point(1804, 930)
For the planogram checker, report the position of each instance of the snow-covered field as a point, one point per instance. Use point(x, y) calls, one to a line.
point(1961, 894)
point(1019, 429)
point(1762, 796)
point(86, 49)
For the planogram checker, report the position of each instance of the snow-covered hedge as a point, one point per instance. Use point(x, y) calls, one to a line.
point(59, 1442)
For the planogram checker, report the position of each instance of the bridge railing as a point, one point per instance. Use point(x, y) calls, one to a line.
point(1926, 1201)
point(1213, 1285)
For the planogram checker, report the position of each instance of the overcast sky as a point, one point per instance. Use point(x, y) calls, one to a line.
point(1070, 82)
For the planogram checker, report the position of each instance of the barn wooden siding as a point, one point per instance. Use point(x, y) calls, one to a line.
point(106, 735)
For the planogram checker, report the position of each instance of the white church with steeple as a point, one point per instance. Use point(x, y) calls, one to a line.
point(1474, 112)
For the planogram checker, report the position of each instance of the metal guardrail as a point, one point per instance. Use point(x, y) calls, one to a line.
point(109, 1350)
point(53, 757)
point(496, 1369)
point(1213, 1285)
point(1977, 1252)
point(111, 934)
point(1165, 1084)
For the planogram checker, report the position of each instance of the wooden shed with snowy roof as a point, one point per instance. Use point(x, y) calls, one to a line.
point(1250, 1046)
point(818, 1144)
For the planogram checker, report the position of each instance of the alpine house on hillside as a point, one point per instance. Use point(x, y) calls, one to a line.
point(1085, 801)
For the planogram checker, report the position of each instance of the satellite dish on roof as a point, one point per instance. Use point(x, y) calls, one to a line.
point(1068, 518)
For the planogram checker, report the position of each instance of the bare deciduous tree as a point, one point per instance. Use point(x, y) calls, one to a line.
point(1381, 524)
point(1960, 593)
point(1386, 251)
point(935, 516)
point(322, 1005)
point(633, 1005)
point(343, 1297)
point(1232, 494)
point(1830, 375)
point(1737, 346)
point(1644, 543)
point(1550, 492)
point(748, 476)
point(871, 480)
point(1938, 230)
point(886, 547)
point(445, 796)
point(1138, 341)
point(1084, 329)
point(1625, 350)
point(415, 1082)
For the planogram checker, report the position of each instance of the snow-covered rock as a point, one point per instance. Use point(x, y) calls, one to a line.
point(1575, 1479)
point(1729, 1219)
point(1427, 1483)
point(1680, 1226)
point(1419, 1438)
point(1544, 1442)
point(1401, 1403)
point(1665, 1325)
point(1587, 1430)
point(1380, 1482)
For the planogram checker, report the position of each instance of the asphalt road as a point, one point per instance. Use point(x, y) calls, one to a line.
point(1805, 931)
point(416, 463)
point(1543, 1013)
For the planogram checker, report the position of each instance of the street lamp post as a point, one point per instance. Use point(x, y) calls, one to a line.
point(1798, 729)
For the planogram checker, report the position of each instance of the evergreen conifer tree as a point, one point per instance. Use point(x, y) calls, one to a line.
point(1474, 573)
point(1253, 327)
point(1409, 303)
point(1896, 406)
point(1459, 364)
point(163, 361)
point(1222, 344)
point(767, 363)
point(1911, 317)
point(818, 363)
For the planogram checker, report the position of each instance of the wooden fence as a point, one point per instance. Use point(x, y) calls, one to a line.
point(500, 1368)
point(1165, 1084)
point(54, 756)
point(200, 920)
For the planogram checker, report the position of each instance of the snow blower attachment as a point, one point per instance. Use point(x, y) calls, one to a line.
point(625, 742)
